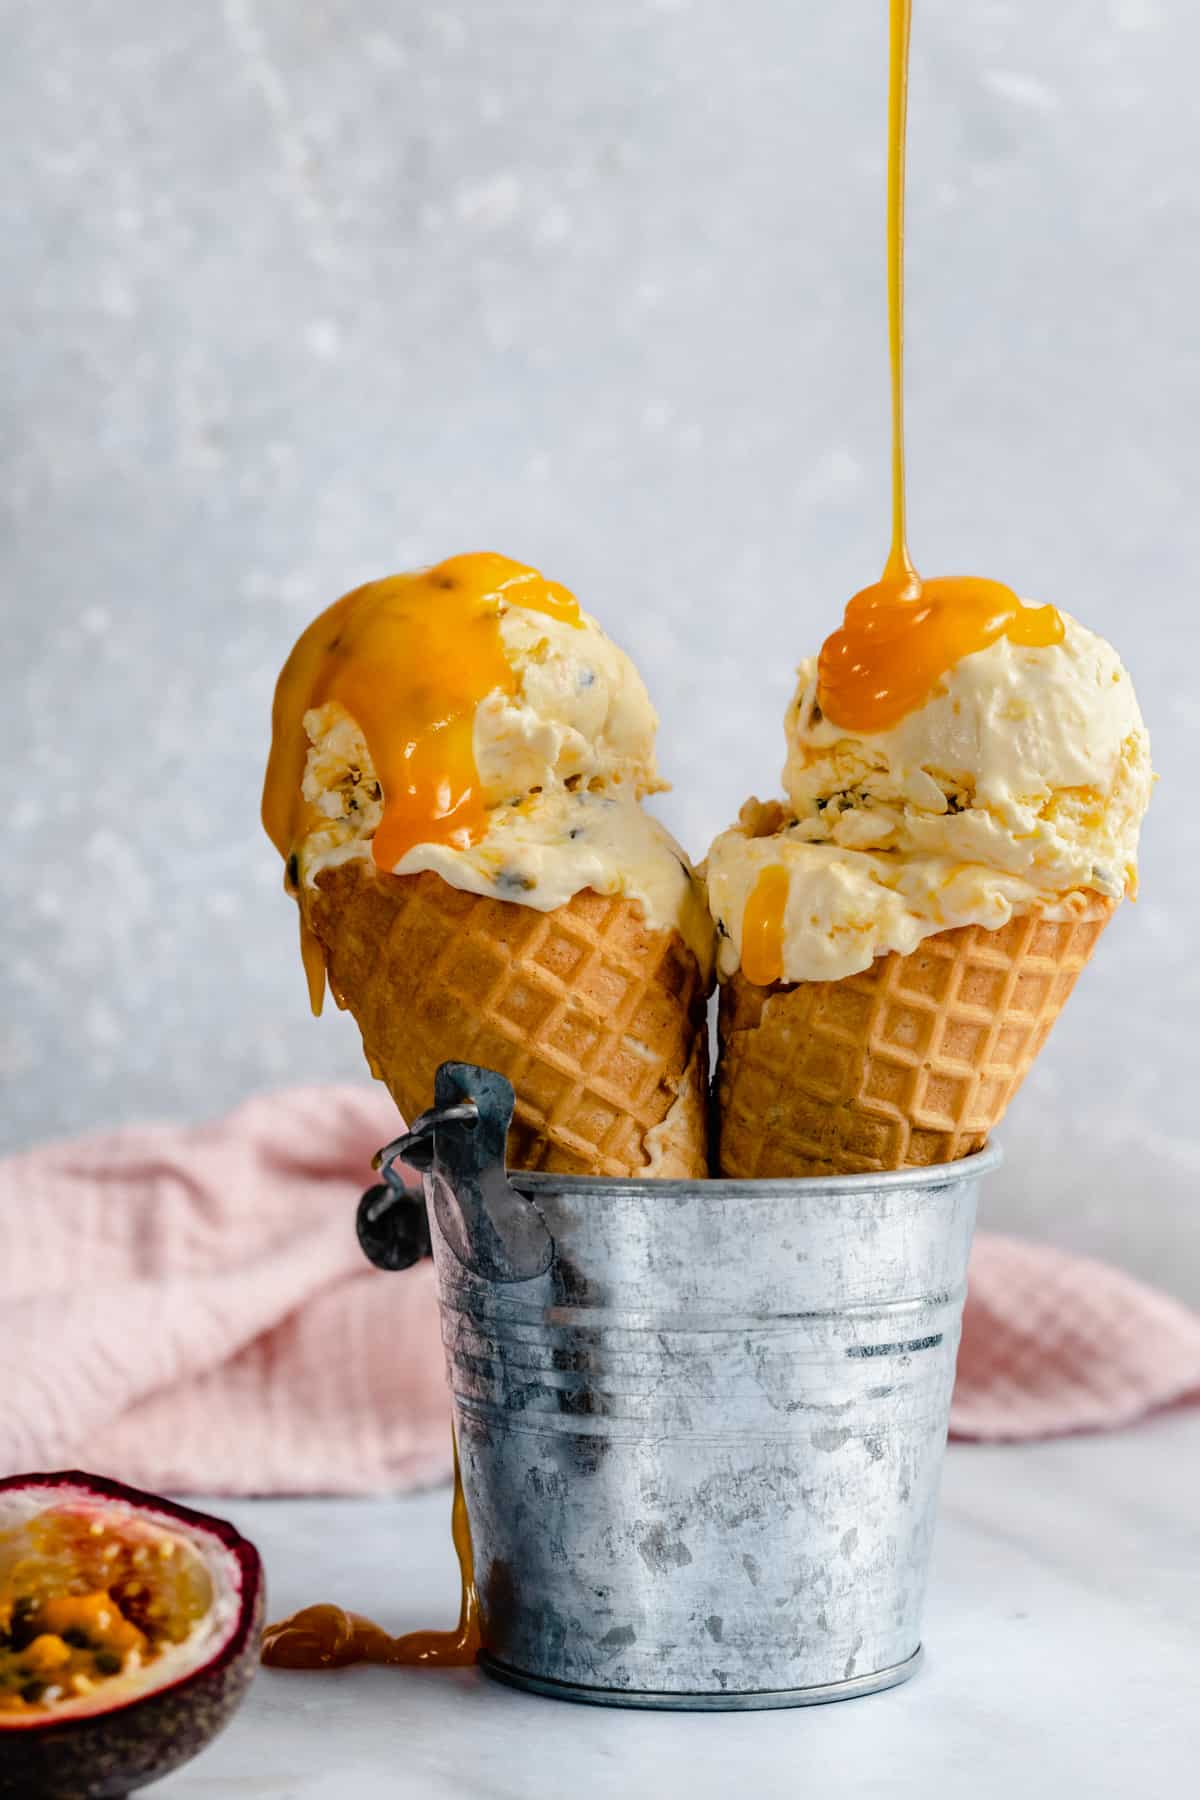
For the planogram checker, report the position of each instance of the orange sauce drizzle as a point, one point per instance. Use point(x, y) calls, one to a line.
point(329, 1637)
point(902, 634)
point(409, 658)
point(762, 927)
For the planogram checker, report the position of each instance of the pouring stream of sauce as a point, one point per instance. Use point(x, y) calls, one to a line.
point(902, 634)
point(328, 1637)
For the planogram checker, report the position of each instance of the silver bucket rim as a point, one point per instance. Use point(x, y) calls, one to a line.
point(475, 1106)
point(717, 1187)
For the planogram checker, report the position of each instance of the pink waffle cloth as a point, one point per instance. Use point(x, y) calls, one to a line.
point(188, 1309)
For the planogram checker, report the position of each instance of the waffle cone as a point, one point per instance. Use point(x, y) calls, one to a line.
point(596, 1019)
point(910, 1063)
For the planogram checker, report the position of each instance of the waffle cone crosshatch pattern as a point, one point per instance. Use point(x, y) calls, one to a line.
point(910, 1063)
point(598, 1021)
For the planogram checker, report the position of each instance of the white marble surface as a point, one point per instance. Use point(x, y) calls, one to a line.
point(1062, 1627)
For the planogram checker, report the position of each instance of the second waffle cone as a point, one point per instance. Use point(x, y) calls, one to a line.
point(912, 1062)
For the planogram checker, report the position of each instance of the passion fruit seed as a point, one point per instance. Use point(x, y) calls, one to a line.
point(47, 1652)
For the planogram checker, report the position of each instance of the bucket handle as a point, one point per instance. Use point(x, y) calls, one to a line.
point(458, 1145)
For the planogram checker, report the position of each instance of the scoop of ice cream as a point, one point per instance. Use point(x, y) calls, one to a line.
point(539, 847)
point(473, 682)
point(1018, 785)
point(580, 712)
point(838, 909)
point(1031, 761)
point(471, 720)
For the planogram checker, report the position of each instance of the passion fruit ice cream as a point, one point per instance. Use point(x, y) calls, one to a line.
point(1019, 785)
point(918, 906)
point(456, 779)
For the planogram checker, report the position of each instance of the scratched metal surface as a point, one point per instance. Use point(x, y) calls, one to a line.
point(720, 1407)
point(298, 294)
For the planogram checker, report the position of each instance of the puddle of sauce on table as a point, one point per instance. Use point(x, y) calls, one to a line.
point(329, 1637)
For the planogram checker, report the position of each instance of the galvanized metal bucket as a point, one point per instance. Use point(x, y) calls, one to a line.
point(701, 1424)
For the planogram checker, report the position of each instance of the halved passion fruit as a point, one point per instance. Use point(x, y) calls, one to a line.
point(128, 1634)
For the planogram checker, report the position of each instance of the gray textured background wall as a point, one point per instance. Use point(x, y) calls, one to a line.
point(303, 291)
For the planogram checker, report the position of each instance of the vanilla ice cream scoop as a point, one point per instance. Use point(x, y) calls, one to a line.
point(580, 712)
point(539, 847)
point(471, 720)
point(1030, 759)
point(1019, 784)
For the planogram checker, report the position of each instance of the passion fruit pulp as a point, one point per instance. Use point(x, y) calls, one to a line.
point(128, 1635)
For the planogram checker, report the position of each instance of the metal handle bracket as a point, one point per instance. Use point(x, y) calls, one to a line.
point(458, 1145)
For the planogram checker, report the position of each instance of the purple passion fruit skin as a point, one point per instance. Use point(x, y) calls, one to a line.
point(106, 1747)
